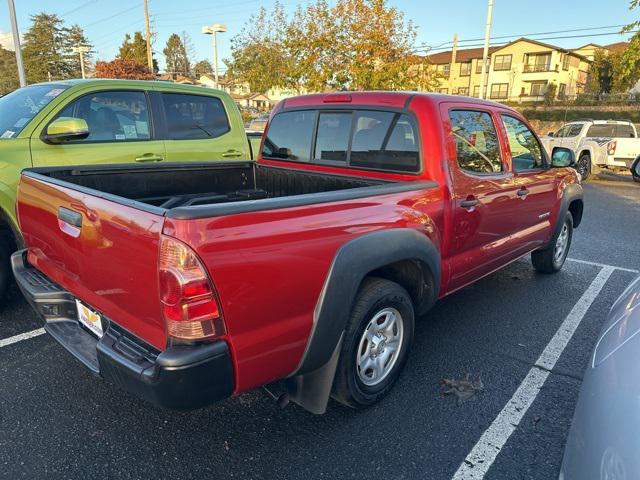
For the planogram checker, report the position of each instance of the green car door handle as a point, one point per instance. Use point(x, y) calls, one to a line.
point(232, 154)
point(150, 157)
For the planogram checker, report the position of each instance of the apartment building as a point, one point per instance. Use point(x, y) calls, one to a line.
point(520, 71)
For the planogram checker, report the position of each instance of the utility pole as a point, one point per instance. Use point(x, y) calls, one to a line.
point(16, 43)
point(148, 34)
point(81, 50)
point(485, 54)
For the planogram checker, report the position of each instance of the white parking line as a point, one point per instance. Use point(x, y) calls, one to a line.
point(23, 336)
point(484, 453)
point(602, 265)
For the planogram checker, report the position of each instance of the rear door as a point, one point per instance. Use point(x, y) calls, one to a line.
point(483, 187)
point(534, 180)
point(198, 127)
point(101, 251)
point(121, 130)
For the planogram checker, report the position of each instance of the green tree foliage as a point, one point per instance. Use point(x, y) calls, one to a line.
point(135, 49)
point(47, 49)
point(627, 71)
point(203, 67)
point(176, 54)
point(8, 71)
point(354, 44)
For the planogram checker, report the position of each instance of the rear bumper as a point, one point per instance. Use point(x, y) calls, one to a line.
point(181, 377)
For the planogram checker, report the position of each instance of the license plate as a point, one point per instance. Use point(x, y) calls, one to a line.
point(89, 319)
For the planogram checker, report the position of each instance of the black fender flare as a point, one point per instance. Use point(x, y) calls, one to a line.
point(353, 261)
point(571, 193)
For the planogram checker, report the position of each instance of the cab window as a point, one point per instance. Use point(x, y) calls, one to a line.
point(477, 146)
point(194, 117)
point(526, 152)
point(116, 116)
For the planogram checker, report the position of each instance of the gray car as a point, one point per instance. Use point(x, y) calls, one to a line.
point(604, 440)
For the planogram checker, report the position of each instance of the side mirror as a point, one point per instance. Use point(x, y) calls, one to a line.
point(551, 134)
point(65, 129)
point(562, 157)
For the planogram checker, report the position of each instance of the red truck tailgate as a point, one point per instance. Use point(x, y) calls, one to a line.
point(110, 261)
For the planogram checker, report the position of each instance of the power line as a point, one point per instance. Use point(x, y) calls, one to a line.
point(122, 12)
point(80, 7)
point(518, 35)
point(426, 49)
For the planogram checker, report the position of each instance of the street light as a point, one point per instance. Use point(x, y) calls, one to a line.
point(212, 30)
point(16, 43)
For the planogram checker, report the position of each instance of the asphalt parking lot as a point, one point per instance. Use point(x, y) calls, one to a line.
point(57, 421)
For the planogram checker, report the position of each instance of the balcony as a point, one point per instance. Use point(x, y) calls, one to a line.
point(539, 68)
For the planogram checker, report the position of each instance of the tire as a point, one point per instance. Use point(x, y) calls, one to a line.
point(378, 301)
point(583, 166)
point(7, 247)
point(550, 260)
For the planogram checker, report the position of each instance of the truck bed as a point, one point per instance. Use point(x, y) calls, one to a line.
point(196, 190)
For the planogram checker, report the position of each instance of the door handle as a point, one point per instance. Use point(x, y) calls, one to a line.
point(232, 154)
point(149, 157)
point(469, 202)
point(523, 192)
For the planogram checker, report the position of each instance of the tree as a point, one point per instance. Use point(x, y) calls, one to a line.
point(176, 56)
point(203, 67)
point(125, 69)
point(355, 44)
point(74, 37)
point(8, 71)
point(135, 49)
point(628, 71)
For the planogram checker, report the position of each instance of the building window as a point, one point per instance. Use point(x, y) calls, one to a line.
point(562, 91)
point(444, 69)
point(537, 62)
point(502, 62)
point(465, 69)
point(479, 66)
point(442, 90)
point(538, 88)
point(463, 90)
point(565, 61)
point(499, 91)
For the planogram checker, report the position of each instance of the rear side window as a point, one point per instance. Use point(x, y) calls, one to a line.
point(569, 131)
point(193, 117)
point(289, 136)
point(477, 147)
point(610, 130)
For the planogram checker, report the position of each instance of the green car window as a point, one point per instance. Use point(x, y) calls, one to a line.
point(19, 107)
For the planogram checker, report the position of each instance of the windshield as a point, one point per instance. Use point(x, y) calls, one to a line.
point(19, 107)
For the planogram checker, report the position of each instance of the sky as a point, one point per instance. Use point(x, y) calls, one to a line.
point(106, 21)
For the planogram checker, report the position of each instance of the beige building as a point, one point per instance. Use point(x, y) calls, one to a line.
point(589, 50)
point(520, 71)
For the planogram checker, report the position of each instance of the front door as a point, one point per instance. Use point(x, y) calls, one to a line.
point(120, 131)
point(483, 188)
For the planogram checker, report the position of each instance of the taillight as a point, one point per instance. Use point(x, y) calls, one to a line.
point(611, 147)
point(189, 303)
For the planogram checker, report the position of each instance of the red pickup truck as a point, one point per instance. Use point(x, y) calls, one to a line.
point(188, 283)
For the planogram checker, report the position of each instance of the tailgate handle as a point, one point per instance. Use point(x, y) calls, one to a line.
point(70, 216)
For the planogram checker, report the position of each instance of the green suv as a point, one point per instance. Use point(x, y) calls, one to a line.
point(82, 122)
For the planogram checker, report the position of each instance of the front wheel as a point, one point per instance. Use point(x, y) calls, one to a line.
point(552, 258)
point(376, 343)
point(583, 166)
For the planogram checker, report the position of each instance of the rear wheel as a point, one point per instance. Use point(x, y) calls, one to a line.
point(583, 166)
point(552, 258)
point(376, 343)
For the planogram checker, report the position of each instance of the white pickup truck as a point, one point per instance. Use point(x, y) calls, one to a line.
point(610, 144)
